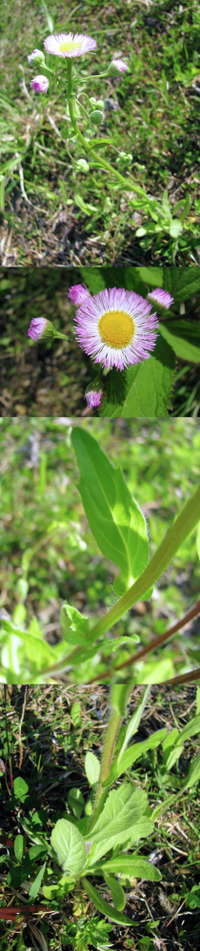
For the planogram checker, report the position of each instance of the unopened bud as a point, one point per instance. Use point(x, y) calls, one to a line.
point(37, 57)
point(82, 165)
point(40, 84)
point(97, 117)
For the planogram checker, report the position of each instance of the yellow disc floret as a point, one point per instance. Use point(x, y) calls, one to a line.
point(68, 45)
point(116, 328)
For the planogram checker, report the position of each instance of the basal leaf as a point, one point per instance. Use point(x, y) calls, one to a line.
point(103, 905)
point(70, 847)
point(92, 768)
point(132, 865)
point(114, 517)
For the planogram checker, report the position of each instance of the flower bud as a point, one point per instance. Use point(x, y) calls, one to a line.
point(117, 66)
point(97, 117)
point(40, 327)
point(161, 298)
point(97, 103)
point(78, 294)
point(40, 84)
point(37, 57)
point(124, 159)
point(82, 165)
point(93, 398)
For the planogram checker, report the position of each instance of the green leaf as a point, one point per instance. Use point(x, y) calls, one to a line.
point(134, 752)
point(132, 865)
point(75, 627)
point(21, 789)
point(103, 906)
point(176, 228)
point(117, 892)
point(36, 884)
point(194, 772)
point(76, 713)
point(92, 768)
point(183, 337)
point(190, 729)
point(123, 808)
point(151, 275)
point(181, 282)
point(69, 845)
point(148, 387)
point(19, 847)
point(93, 278)
point(76, 802)
point(114, 517)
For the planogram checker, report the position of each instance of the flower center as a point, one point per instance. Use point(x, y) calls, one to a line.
point(68, 45)
point(116, 328)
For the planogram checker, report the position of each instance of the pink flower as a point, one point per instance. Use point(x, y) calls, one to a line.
point(38, 326)
point(115, 328)
point(93, 398)
point(78, 294)
point(119, 65)
point(67, 44)
point(161, 297)
point(40, 84)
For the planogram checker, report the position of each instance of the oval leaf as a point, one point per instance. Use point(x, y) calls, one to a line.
point(69, 846)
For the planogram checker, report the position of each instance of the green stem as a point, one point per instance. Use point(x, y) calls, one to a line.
point(109, 743)
point(118, 700)
point(69, 95)
point(176, 535)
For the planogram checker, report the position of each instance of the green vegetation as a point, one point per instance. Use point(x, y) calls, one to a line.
point(62, 214)
point(51, 741)
point(50, 556)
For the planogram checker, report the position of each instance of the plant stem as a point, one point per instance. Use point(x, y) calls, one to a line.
point(109, 742)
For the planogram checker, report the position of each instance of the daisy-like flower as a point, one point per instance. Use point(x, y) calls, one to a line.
point(40, 84)
point(115, 327)
point(161, 297)
point(78, 294)
point(40, 326)
point(67, 44)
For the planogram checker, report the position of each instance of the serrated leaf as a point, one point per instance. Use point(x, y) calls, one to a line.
point(123, 808)
point(114, 517)
point(92, 768)
point(183, 337)
point(70, 847)
point(148, 387)
point(181, 282)
point(75, 627)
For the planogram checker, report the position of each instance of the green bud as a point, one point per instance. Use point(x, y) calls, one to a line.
point(97, 117)
point(82, 165)
point(97, 103)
